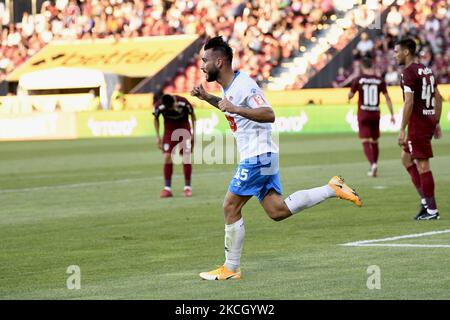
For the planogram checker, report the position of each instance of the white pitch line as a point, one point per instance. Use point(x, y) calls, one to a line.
point(407, 245)
point(371, 243)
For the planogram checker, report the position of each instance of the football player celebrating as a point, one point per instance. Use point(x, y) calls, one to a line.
point(250, 117)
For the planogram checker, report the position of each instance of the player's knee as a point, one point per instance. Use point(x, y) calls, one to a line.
point(167, 158)
point(229, 208)
point(277, 218)
point(406, 159)
point(423, 166)
point(277, 213)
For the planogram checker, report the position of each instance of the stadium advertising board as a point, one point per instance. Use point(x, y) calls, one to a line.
point(37, 126)
point(313, 119)
point(114, 124)
point(136, 57)
point(100, 124)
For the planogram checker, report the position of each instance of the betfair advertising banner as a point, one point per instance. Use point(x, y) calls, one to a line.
point(136, 57)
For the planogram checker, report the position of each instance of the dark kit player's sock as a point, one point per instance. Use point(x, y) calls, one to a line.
point(187, 169)
point(168, 169)
point(415, 178)
point(428, 189)
point(367, 146)
point(375, 152)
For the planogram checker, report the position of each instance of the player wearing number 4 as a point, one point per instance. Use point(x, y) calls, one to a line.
point(421, 114)
point(368, 85)
point(250, 117)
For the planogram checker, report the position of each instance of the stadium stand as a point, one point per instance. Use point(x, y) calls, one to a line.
point(281, 44)
point(262, 32)
point(428, 22)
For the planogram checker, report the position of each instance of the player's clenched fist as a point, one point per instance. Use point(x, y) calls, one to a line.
point(199, 92)
point(226, 105)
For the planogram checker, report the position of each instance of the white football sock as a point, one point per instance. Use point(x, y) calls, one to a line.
point(234, 242)
point(424, 202)
point(304, 199)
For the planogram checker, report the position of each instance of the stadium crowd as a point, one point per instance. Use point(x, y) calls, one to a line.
point(262, 32)
point(427, 21)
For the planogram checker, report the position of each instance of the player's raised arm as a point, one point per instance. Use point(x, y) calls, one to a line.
point(201, 93)
point(262, 114)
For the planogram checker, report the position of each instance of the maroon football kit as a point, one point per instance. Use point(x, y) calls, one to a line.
point(175, 117)
point(419, 80)
point(369, 88)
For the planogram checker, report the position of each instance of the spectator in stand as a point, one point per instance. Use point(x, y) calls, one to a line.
point(393, 20)
point(428, 22)
point(392, 77)
point(364, 46)
point(340, 78)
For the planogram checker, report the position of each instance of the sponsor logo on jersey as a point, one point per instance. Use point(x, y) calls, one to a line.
point(428, 112)
point(259, 99)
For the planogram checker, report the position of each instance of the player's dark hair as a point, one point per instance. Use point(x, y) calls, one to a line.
point(408, 43)
point(167, 100)
point(217, 44)
point(367, 62)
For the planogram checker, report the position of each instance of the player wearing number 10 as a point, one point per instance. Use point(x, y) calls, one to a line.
point(250, 117)
point(421, 114)
point(368, 85)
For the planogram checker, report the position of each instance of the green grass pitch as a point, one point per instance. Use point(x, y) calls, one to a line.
point(95, 204)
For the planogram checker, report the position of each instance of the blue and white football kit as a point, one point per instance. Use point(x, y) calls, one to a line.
point(257, 172)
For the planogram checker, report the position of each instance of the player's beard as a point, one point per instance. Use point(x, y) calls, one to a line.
point(401, 61)
point(212, 75)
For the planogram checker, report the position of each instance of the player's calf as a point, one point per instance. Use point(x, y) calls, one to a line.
point(232, 206)
point(275, 206)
